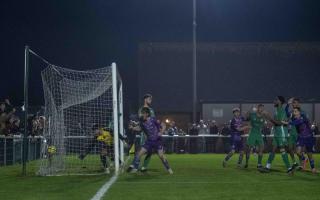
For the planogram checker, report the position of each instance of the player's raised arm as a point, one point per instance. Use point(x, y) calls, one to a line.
point(243, 128)
point(268, 117)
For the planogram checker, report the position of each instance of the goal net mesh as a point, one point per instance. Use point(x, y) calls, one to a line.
point(78, 135)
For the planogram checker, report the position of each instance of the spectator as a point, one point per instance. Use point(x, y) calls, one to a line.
point(42, 122)
point(8, 105)
point(12, 126)
point(266, 130)
point(5, 115)
point(193, 130)
point(225, 130)
point(203, 128)
point(34, 126)
point(213, 128)
point(2, 107)
point(172, 130)
point(2, 118)
point(314, 128)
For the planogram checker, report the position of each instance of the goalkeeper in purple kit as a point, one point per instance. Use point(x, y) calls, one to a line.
point(153, 143)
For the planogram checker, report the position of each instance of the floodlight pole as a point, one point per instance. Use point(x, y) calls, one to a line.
point(26, 108)
point(194, 63)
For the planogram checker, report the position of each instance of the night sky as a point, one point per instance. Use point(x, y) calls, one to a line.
point(94, 33)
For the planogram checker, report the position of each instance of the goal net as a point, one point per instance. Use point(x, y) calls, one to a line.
point(83, 113)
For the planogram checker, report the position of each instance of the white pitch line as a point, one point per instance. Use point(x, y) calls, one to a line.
point(104, 189)
point(197, 182)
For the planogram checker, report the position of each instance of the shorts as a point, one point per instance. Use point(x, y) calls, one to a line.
point(292, 140)
point(153, 146)
point(255, 140)
point(280, 141)
point(307, 142)
point(236, 143)
point(102, 145)
point(106, 149)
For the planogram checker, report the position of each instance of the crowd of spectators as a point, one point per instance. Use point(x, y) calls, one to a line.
point(9, 121)
point(172, 129)
point(208, 127)
point(211, 127)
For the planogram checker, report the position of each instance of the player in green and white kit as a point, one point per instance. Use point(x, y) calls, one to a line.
point(255, 139)
point(280, 139)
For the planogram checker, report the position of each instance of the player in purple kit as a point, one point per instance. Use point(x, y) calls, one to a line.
point(305, 140)
point(236, 139)
point(293, 137)
point(152, 129)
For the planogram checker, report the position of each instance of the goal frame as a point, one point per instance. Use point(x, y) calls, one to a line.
point(117, 105)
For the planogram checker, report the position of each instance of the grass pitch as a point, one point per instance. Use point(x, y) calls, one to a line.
point(32, 187)
point(197, 176)
point(202, 177)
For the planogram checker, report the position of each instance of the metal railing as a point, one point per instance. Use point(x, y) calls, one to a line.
point(11, 149)
point(211, 143)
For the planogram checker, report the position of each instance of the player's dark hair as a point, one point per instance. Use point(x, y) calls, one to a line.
point(282, 99)
point(235, 110)
point(134, 117)
point(260, 105)
point(147, 96)
point(146, 110)
point(298, 108)
point(296, 99)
